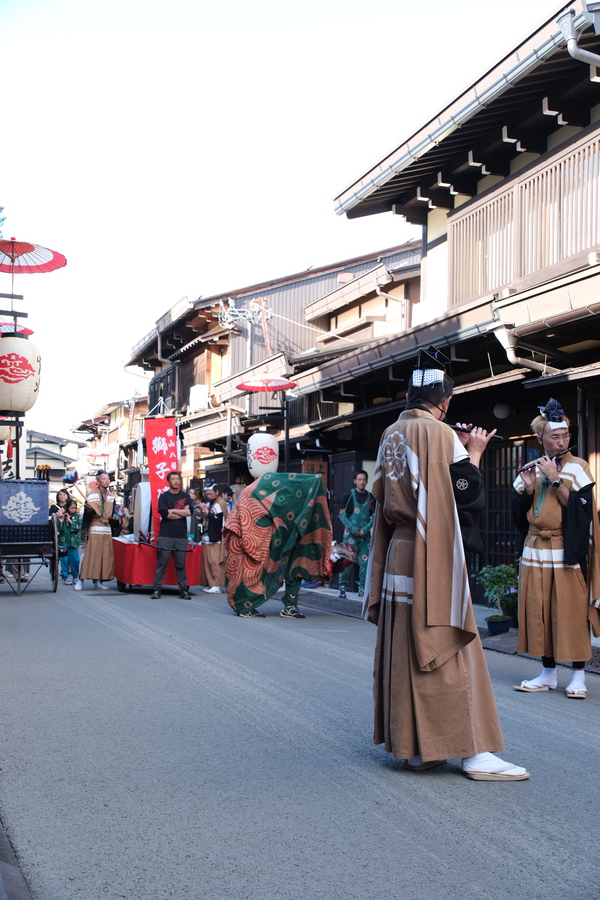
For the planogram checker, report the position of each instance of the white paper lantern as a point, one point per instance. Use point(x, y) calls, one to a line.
point(4, 430)
point(263, 454)
point(20, 365)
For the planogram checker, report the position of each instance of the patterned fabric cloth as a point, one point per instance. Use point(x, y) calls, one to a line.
point(69, 531)
point(278, 531)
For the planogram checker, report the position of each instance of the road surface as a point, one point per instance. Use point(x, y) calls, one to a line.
point(164, 749)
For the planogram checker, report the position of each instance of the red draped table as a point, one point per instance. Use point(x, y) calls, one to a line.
point(135, 564)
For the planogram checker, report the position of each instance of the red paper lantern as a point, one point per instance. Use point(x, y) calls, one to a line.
point(20, 365)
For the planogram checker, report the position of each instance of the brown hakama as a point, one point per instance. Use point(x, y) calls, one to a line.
point(98, 558)
point(433, 695)
point(213, 560)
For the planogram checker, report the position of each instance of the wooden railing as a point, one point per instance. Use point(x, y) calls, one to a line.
point(541, 224)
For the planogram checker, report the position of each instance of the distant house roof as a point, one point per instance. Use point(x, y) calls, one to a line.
point(53, 439)
point(364, 284)
point(91, 425)
point(184, 313)
point(108, 408)
point(377, 255)
point(48, 454)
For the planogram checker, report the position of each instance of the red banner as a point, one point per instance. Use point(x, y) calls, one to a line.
point(163, 457)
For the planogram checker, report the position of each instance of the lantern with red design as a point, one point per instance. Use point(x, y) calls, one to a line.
point(20, 365)
point(263, 453)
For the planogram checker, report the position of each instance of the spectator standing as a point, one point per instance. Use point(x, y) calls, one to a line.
point(194, 524)
point(69, 539)
point(213, 550)
point(174, 506)
point(356, 513)
point(62, 498)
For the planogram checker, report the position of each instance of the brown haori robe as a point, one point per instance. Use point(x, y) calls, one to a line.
point(433, 695)
point(556, 604)
point(98, 559)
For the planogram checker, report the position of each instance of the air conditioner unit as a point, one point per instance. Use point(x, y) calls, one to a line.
point(198, 398)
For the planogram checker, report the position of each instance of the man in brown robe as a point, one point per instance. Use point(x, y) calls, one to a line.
point(433, 696)
point(98, 558)
point(559, 575)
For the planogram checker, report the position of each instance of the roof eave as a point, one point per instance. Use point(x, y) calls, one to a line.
point(420, 143)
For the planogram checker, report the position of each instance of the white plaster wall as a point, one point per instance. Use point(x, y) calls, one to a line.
point(349, 315)
point(373, 307)
point(460, 199)
point(562, 134)
point(434, 286)
point(487, 182)
point(523, 159)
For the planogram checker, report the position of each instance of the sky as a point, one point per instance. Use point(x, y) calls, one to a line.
point(191, 148)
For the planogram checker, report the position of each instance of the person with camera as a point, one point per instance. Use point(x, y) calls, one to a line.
point(214, 512)
point(68, 526)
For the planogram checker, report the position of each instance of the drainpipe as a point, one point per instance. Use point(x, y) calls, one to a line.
point(381, 293)
point(509, 342)
point(567, 26)
point(582, 435)
point(401, 300)
point(159, 355)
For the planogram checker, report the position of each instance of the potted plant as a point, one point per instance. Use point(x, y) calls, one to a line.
point(500, 584)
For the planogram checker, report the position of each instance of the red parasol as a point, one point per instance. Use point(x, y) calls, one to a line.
point(11, 327)
point(23, 258)
point(271, 384)
point(267, 383)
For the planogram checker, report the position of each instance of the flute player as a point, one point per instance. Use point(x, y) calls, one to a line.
point(559, 577)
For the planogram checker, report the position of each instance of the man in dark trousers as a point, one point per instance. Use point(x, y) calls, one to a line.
point(357, 511)
point(174, 506)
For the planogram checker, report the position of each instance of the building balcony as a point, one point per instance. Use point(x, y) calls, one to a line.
point(539, 225)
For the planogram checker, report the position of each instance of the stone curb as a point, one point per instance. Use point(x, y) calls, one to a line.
point(12, 884)
point(327, 601)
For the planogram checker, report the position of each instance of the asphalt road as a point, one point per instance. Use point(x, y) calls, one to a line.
point(167, 749)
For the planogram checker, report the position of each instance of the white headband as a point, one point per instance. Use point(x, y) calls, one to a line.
point(554, 425)
point(422, 377)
